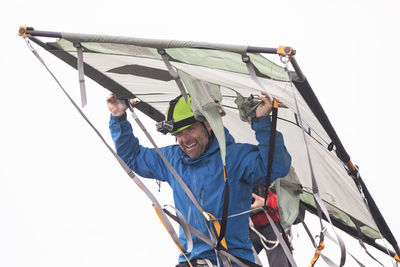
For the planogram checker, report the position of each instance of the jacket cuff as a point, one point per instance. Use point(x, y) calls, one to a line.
point(262, 120)
point(118, 118)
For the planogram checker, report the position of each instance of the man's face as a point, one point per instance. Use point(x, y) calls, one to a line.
point(194, 139)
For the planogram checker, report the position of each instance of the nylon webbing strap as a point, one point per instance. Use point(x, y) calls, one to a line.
point(321, 208)
point(184, 225)
point(328, 261)
point(81, 74)
point(354, 258)
point(252, 71)
point(173, 73)
point(308, 232)
point(271, 148)
point(130, 173)
point(225, 208)
point(332, 239)
point(357, 224)
point(223, 252)
point(278, 235)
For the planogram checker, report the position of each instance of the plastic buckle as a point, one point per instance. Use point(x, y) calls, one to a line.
point(245, 58)
point(161, 51)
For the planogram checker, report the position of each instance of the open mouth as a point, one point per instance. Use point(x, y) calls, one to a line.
point(189, 147)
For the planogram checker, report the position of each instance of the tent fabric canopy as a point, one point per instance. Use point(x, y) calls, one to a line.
point(133, 68)
point(232, 77)
point(156, 92)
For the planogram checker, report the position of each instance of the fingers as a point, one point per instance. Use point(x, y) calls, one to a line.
point(258, 201)
point(265, 98)
point(257, 197)
point(116, 106)
point(265, 107)
point(110, 97)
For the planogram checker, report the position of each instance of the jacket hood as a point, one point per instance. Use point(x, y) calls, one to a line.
point(214, 148)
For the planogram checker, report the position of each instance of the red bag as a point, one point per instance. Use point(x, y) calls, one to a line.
point(260, 219)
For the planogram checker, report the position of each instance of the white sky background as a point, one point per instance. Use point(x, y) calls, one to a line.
point(64, 200)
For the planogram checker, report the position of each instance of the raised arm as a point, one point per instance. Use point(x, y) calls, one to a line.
point(256, 161)
point(142, 160)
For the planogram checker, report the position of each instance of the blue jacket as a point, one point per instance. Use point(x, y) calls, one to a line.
point(246, 165)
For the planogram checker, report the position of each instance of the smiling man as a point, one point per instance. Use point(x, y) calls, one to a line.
point(197, 160)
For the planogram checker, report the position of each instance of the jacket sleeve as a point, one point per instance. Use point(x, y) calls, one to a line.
point(142, 160)
point(257, 161)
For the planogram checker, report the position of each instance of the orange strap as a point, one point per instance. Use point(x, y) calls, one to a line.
point(225, 175)
point(397, 258)
point(317, 253)
point(159, 216)
point(275, 103)
point(351, 166)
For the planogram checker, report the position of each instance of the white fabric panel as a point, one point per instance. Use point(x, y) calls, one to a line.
point(336, 187)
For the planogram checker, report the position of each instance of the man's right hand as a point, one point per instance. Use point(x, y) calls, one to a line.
point(258, 201)
point(116, 106)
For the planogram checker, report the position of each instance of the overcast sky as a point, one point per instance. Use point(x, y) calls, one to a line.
point(64, 200)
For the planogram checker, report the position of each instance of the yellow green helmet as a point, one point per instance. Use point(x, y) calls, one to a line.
point(179, 116)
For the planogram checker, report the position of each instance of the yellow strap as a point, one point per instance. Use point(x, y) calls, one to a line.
point(317, 253)
point(217, 227)
point(159, 216)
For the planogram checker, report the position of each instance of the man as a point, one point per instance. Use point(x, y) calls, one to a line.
point(197, 160)
point(262, 228)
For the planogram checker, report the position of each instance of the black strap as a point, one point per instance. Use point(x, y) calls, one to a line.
point(224, 219)
point(182, 123)
point(271, 149)
point(171, 108)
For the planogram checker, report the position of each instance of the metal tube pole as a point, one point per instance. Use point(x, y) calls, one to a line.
point(29, 31)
